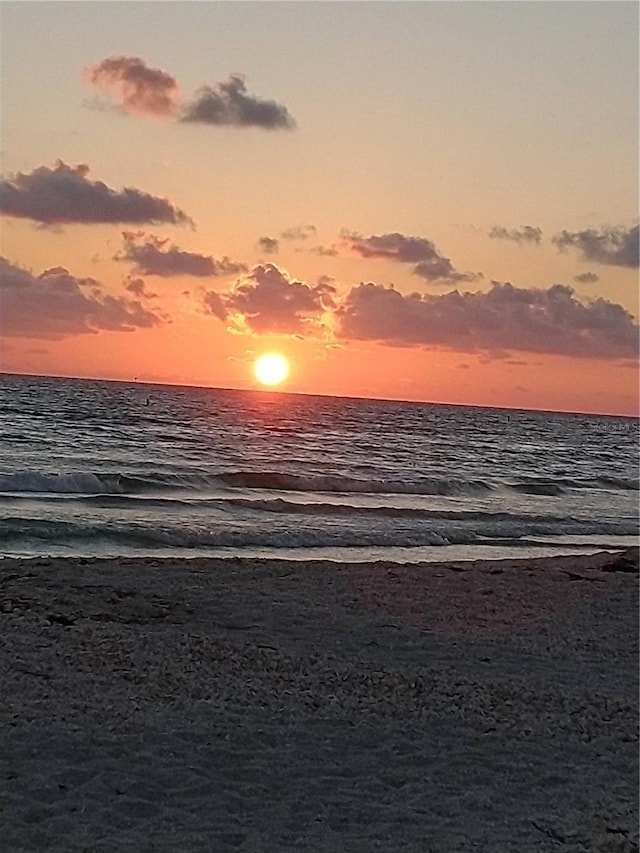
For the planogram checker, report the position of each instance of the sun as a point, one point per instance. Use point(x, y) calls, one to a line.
point(271, 368)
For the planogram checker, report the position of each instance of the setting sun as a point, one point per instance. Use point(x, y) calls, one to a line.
point(272, 368)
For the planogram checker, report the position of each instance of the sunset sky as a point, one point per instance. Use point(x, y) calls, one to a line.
point(421, 201)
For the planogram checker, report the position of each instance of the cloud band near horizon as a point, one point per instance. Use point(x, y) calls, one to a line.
point(268, 300)
point(505, 318)
point(553, 321)
point(56, 305)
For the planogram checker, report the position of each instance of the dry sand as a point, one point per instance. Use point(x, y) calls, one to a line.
point(208, 705)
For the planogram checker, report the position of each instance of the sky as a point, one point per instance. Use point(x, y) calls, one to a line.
point(432, 201)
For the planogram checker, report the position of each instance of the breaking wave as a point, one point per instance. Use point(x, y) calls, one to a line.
point(118, 484)
point(157, 482)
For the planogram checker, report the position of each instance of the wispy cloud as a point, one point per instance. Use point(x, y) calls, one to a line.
point(299, 232)
point(270, 301)
point(506, 318)
point(521, 236)
point(65, 194)
point(56, 304)
point(138, 88)
point(430, 264)
point(586, 278)
point(152, 92)
point(324, 251)
point(152, 255)
point(269, 245)
point(617, 247)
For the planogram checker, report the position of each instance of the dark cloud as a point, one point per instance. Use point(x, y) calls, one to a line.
point(152, 255)
point(299, 232)
point(228, 103)
point(393, 246)
point(56, 304)
point(616, 247)
point(142, 90)
point(64, 194)
point(135, 286)
point(586, 278)
point(268, 300)
point(430, 264)
point(506, 318)
point(441, 270)
point(522, 235)
point(324, 251)
point(138, 287)
point(269, 245)
point(138, 88)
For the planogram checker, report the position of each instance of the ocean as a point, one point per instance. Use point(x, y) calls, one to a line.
point(96, 468)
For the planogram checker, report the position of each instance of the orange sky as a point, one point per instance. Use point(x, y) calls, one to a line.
point(211, 224)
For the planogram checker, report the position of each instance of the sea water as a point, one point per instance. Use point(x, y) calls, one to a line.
point(110, 468)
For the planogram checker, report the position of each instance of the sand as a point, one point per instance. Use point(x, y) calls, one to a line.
point(243, 705)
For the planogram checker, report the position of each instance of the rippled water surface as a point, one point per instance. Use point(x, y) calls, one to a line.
point(90, 467)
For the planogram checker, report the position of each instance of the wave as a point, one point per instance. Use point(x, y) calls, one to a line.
point(253, 513)
point(118, 483)
point(350, 485)
point(33, 481)
point(532, 488)
point(281, 506)
point(625, 484)
point(560, 485)
point(104, 483)
point(158, 482)
point(37, 533)
point(277, 523)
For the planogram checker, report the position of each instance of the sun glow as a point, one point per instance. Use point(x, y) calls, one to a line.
point(272, 368)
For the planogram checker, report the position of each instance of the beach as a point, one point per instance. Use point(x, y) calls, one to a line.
point(252, 705)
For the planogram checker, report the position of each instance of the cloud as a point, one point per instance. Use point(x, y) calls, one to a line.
point(152, 255)
point(64, 194)
point(616, 247)
point(228, 103)
point(269, 245)
point(324, 251)
point(142, 90)
point(214, 303)
point(506, 318)
point(138, 287)
point(430, 264)
point(586, 278)
point(269, 301)
point(522, 235)
point(138, 88)
point(56, 305)
point(299, 232)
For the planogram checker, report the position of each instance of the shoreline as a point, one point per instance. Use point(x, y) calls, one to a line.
point(237, 704)
point(398, 555)
point(617, 557)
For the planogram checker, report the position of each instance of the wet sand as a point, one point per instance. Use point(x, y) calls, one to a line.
point(219, 705)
